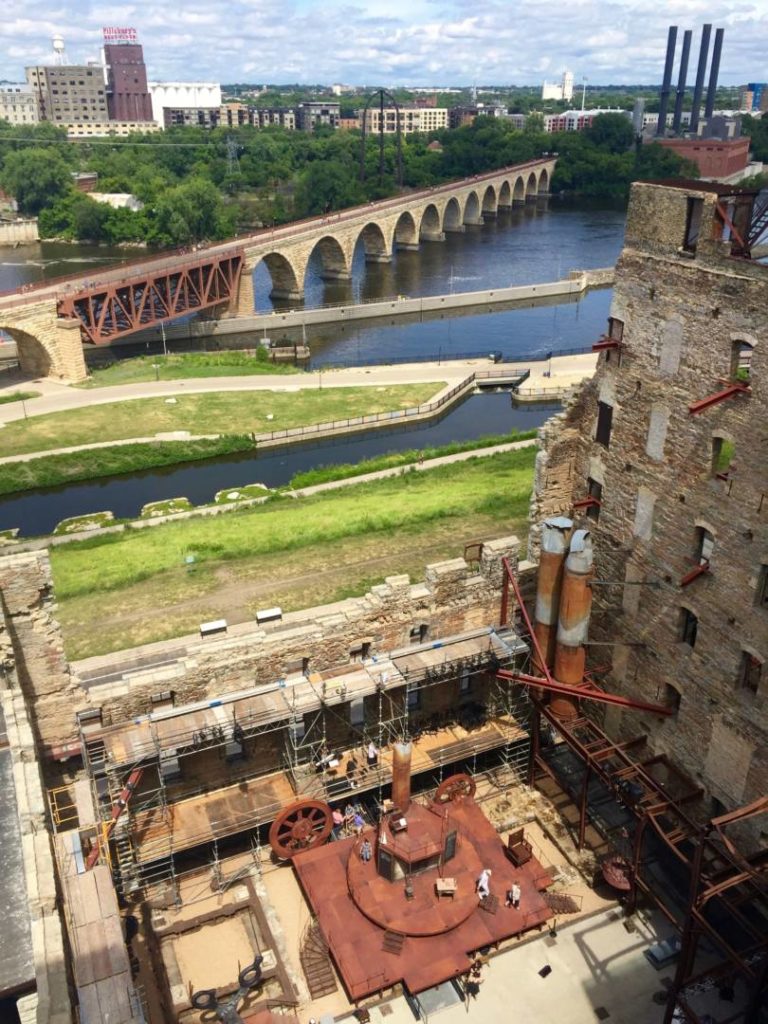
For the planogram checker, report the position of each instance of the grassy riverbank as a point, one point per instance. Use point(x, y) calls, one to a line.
point(219, 412)
point(186, 366)
point(295, 553)
point(53, 470)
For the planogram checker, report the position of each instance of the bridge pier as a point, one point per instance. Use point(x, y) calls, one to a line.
point(505, 206)
point(335, 275)
point(407, 246)
point(287, 294)
point(433, 236)
point(518, 202)
point(246, 300)
point(456, 229)
point(381, 257)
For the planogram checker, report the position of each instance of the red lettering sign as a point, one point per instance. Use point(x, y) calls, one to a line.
point(119, 35)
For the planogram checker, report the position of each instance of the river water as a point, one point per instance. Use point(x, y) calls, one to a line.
point(530, 244)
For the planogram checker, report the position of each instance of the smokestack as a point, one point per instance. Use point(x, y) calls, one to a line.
point(681, 79)
point(401, 776)
point(554, 546)
point(575, 606)
point(664, 94)
point(699, 87)
point(714, 71)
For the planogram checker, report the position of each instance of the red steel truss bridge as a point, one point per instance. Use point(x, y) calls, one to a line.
point(110, 309)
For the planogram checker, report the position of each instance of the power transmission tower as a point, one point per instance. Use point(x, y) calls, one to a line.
point(381, 94)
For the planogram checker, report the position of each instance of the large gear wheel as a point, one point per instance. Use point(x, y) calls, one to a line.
point(455, 787)
point(299, 827)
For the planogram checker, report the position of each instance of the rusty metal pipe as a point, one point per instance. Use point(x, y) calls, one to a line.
point(401, 776)
point(573, 622)
point(554, 546)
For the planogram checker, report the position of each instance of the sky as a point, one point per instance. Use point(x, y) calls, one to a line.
point(393, 42)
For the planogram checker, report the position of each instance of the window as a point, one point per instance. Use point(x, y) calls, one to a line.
point(750, 671)
point(414, 700)
point(594, 491)
point(615, 328)
point(693, 224)
point(762, 587)
point(722, 457)
point(465, 682)
point(705, 545)
point(604, 424)
point(672, 697)
point(689, 626)
point(741, 362)
point(419, 633)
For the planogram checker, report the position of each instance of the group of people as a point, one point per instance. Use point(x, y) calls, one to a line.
point(348, 820)
point(483, 888)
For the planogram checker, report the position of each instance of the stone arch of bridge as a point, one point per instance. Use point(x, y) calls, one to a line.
point(406, 234)
point(490, 202)
point(472, 210)
point(505, 194)
point(430, 227)
point(518, 192)
point(287, 277)
point(452, 219)
point(544, 182)
point(48, 346)
point(531, 187)
point(35, 357)
point(376, 245)
point(335, 262)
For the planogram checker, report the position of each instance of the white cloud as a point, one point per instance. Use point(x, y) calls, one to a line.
point(397, 42)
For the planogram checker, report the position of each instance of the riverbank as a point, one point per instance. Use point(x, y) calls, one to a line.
point(315, 549)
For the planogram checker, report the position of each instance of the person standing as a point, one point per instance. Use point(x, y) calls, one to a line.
point(514, 893)
point(484, 883)
point(366, 851)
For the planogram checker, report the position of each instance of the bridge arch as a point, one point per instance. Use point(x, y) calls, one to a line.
point(490, 202)
point(287, 280)
point(452, 220)
point(429, 225)
point(334, 264)
point(48, 346)
point(374, 243)
point(531, 188)
point(472, 214)
point(505, 194)
point(406, 233)
point(34, 357)
point(518, 193)
point(544, 182)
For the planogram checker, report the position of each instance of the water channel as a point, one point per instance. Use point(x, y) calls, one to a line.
point(541, 242)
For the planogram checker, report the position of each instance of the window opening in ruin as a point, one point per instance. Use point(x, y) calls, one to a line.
point(705, 545)
point(689, 626)
point(672, 697)
point(604, 424)
point(465, 682)
point(693, 223)
point(750, 671)
point(722, 457)
point(419, 633)
point(741, 362)
point(762, 587)
point(361, 652)
point(414, 700)
point(357, 711)
point(615, 328)
point(595, 492)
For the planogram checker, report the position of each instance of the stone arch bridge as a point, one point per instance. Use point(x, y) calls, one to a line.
point(50, 322)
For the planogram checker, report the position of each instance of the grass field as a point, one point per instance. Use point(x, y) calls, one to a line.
point(17, 396)
point(296, 553)
point(220, 412)
point(185, 366)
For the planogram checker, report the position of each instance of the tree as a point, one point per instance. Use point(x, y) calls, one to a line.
point(611, 132)
point(326, 186)
point(35, 178)
point(190, 213)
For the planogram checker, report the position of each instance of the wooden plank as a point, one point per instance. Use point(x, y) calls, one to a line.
point(84, 803)
point(91, 910)
point(105, 891)
point(90, 1011)
point(116, 949)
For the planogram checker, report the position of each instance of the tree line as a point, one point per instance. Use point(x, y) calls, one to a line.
point(195, 186)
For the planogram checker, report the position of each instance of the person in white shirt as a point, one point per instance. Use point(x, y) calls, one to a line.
point(484, 883)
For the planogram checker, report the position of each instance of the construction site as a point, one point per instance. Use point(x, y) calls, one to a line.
point(354, 811)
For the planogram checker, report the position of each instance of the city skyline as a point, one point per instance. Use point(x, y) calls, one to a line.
point(423, 43)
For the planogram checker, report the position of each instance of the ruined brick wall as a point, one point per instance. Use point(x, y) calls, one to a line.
point(454, 598)
point(684, 314)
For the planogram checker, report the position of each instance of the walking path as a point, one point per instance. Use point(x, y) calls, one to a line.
point(558, 373)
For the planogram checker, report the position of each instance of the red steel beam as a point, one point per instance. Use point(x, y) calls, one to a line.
point(720, 396)
point(601, 696)
point(605, 343)
point(696, 571)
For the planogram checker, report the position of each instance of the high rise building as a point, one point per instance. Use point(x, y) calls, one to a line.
point(127, 90)
point(562, 90)
point(18, 104)
point(69, 93)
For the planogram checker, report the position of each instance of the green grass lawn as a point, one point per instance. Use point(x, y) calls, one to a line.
point(185, 366)
point(17, 396)
point(330, 546)
point(230, 412)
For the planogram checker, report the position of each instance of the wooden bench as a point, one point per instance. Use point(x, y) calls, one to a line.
point(446, 887)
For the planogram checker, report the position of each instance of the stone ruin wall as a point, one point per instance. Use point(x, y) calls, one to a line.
point(681, 318)
point(454, 597)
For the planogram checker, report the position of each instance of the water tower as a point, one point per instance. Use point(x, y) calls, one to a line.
point(59, 50)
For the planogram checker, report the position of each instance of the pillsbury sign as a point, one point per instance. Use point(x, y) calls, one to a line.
point(119, 35)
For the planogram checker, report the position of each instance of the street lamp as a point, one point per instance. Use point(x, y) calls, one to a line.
point(156, 368)
point(162, 331)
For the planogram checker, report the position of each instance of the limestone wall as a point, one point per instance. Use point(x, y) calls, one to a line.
point(683, 313)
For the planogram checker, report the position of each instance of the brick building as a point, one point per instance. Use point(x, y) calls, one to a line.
point(128, 97)
point(675, 489)
point(715, 158)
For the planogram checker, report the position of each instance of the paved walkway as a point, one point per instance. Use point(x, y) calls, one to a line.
point(56, 397)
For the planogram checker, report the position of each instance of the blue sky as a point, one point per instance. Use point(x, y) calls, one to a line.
point(408, 42)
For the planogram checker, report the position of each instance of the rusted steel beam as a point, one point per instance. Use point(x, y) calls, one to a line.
point(720, 396)
point(573, 620)
point(696, 571)
point(606, 342)
point(585, 692)
point(554, 547)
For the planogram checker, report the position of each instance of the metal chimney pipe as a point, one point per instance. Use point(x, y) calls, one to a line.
point(681, 79)
point(714, 73)
point(664, 94)
point(573, 624)
point(401, 776)
point(701, 71)
point(554, 547)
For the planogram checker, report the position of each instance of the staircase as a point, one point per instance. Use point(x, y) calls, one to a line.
point(125, 868)
point(316, 962)
point(393, 943)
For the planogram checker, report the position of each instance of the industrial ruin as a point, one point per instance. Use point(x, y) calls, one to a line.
point(308, 814)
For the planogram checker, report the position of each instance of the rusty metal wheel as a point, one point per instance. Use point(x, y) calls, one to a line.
point(299, 827)
point(455, 787)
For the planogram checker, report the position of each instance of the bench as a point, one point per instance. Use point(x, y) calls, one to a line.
point(213, 627)
point(269, 615)
point(446, 887)
point(518, 849)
